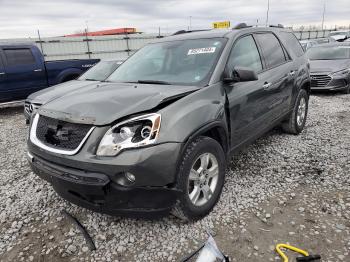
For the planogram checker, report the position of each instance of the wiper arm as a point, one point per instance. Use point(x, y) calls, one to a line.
point(89, 79)
point(157, 82)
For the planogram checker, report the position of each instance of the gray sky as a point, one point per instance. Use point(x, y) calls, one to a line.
point(21, 18)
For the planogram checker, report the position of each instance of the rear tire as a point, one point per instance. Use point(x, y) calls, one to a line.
point(201, 179)
point(296, 121)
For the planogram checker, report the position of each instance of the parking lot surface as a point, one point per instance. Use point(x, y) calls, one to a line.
point(281, 189)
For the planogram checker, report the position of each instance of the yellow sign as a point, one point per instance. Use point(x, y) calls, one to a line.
point(224, 24)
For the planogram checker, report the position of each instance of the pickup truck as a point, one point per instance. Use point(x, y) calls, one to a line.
point(24, 71)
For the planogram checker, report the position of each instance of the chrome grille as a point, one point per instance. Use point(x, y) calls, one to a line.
point(59, 134)
point(320, 80)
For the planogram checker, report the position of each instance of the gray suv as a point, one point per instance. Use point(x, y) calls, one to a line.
point(155, 137)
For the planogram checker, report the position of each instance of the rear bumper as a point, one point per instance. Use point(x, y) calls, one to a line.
point(96, 191)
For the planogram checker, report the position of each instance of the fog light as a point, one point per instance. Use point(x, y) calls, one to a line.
point(130, 177)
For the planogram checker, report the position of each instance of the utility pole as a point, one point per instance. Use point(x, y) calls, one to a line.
point(190, 28)
point(267, 12)
point(324, 11)
point(87, 25)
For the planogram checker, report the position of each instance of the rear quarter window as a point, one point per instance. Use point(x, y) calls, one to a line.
point(19, 56)
point(271, 48)
point(291, 42)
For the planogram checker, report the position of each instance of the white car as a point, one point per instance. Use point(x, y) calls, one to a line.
point(340, 36)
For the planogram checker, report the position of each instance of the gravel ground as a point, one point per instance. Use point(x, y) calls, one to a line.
point(283, 188)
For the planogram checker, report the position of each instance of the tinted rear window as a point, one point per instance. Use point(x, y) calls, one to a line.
point(19, 56)
point(271, 49)
point(291, 42)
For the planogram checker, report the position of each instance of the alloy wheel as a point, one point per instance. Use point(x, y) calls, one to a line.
point(203, 179)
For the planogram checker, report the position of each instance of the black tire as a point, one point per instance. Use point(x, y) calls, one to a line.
point(184, 208)
point(291, 125)
point(347, 90)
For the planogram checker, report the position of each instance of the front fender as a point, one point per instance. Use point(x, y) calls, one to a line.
point(183, 118)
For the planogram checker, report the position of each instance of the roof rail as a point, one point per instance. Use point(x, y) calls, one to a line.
point(189, 31)
point(241, 26)
point(278, 25)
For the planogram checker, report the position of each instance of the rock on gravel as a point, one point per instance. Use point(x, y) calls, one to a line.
point(283, 178)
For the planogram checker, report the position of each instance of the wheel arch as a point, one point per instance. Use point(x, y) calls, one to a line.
point(307, 86)
point(216, 130)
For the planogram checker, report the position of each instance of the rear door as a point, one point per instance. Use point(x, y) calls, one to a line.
point(248, 101)
point(279, 74)
point(25, 72)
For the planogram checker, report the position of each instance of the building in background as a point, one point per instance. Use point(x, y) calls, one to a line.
point(115, 31)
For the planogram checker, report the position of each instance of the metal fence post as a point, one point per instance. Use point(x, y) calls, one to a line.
point(41, 45)
point(87, 44)
point(127, 44)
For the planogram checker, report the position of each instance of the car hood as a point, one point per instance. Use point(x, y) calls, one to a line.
point(48, 94)
point(104, 103)
point(328, 66)
point(338, 37)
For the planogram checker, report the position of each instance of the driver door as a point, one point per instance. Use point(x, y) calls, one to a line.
point(248, 101)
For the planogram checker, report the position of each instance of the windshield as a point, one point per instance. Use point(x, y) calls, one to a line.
point(100, 71)
point(329, 53)
point(183, 62)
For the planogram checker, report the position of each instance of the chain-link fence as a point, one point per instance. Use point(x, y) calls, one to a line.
point(112, 46)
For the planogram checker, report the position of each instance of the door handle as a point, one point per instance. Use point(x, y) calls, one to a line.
point(266, 86)
point(38, 70)
point(2, 73)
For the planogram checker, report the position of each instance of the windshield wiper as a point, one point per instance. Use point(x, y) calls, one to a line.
point(157, 82)
point(89, 79)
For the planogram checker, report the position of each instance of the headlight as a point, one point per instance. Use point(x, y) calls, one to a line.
point(135, 132)
point(342, 72)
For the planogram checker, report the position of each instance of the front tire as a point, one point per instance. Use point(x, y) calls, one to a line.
point(201, 179)
point(297, 119)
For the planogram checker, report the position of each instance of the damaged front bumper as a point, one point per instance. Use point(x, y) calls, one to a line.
point(101, 188)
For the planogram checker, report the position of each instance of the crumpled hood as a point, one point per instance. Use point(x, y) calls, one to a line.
point(104, 103)
point(48, 94)
point(318, 66)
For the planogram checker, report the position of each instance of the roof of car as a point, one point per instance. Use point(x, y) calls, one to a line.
point(213, 33)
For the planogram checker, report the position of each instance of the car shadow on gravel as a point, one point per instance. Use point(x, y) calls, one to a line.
point(10, 111)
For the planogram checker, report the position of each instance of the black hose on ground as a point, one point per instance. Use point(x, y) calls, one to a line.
point(82, 229)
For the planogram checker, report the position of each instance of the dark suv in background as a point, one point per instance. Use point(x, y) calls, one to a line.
point(156, 136)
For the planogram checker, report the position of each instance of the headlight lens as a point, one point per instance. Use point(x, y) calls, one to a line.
point(135, 132)
point(342, 72)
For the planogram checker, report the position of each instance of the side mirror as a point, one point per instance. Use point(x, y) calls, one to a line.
point(240, 74)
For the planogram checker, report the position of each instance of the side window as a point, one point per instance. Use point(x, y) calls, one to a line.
point(289, 40)
point(271, 48)
point(245, 53)
point(19, 56)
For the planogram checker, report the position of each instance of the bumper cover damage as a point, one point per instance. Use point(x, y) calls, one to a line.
point(97, 192)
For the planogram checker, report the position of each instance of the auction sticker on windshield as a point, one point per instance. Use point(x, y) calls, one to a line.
point(203, 50)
